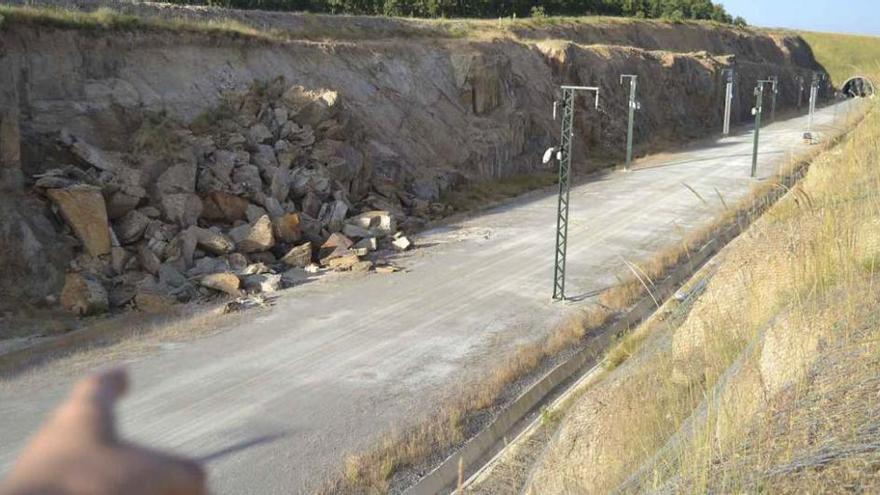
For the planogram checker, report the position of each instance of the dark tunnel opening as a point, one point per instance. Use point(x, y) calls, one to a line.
point(858, 87)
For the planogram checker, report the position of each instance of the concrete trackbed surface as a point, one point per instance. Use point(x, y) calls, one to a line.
point(339, 361)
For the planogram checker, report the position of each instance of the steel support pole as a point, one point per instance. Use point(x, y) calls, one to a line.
point(814, 93)
point(759, 95)
point(633, 106)
point(728, 75)
point(564, 157)
point(800, 83)
point(564, 193)
point(774, 80)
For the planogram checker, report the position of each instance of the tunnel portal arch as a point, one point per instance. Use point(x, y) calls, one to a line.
point(858, 87)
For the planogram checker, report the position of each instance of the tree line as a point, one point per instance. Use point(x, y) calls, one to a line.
point(650, 9)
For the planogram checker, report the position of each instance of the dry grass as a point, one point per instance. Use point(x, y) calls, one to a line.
point(371, 471)
point(845, 55)
point(721, 400)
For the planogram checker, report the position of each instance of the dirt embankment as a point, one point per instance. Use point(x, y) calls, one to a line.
point(409, 117)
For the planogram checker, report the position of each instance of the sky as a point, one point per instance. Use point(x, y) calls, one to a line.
point(840, 16)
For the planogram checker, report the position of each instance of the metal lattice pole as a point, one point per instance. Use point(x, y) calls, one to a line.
point(727, 75)
point(564, 192)
point(757, 111)
point(633, 106)
point(564, 156)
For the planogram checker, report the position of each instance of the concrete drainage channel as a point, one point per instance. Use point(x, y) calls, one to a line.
point(481, 449)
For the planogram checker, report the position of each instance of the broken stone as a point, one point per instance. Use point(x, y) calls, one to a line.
point(246, 178)
point(386, 269)
point(208, 265)
point(332, 215)
point(131, 227)
point(119, 258)
point(171, 276)
point(401, 243)
point(84, 295)
point(299, 256)
point(255, 237)
point(179, 178)
point(311, 204)
point(279, 184)
point(355, 231)
point(311, 107)
point(121, 203)
point(258, 134)
point(367, 243)
point(153, 301)
point(223, 207)
point(273, 207)
point(312, 268)
point(253, 269)
point(96, 157)
point(237, 262)
point(148, 259)
point(223, 282)
point(294, 276)
point(211, 241)
point(341, 263)
point(341, 160)
point(83, 209)
point(361, 266)
point(264, 157)
point(263, 282)
point(254, 213)
point(287, 228)
point(380, 223)
point(337, 240)
point(265, 257)
point(151, 211)
point(182, 248)
point(184, 209)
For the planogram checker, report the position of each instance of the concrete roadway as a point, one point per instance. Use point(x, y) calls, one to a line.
point(338, 361)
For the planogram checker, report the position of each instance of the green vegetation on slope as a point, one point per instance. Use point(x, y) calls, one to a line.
point(669, 9)
point(845, 55)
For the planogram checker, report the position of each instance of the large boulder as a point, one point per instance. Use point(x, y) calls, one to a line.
point(82, 207)
point(254, 237)
point(84, 295)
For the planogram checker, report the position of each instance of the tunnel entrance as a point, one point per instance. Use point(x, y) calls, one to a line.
point(858, 87)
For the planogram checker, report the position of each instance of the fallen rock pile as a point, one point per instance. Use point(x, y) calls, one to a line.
point(258, 195)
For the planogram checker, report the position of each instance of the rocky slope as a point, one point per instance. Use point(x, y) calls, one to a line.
point(154, 162)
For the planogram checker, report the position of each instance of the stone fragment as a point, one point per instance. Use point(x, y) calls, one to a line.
point(182, 247)
point(264, 157)
point(337, 240)
point(299, 256)
point(178, 178)
point(148, 259)
point(254, 237)
point(311, 204)
point(294, 276)
point(380, 223)
point(265, 257)
point(223, 207)
point(355, 231)
point(273, 207)
point(223, 282)
point(401, 243)
point(261, 282)
point(119, 258)
point(121, 203)
point(361, 266)
point(246, 178)
point(184, 209)
point(386, 269)
point(82, 207)
point(84, 295)
point(208, 265)
point(237, 262)
point(95, 157)
point(342, 263)
point(153, 301)
point(254, 213)
point(170, 276)
point(287, 228)
point(332, 215)
point(258, 134)
point(367, 243)
point(131, 227)
point(279, 183)
point(253, 269)
point(311, 107)
point(212, 242)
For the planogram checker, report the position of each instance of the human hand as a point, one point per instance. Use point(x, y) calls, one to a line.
point(77, 452)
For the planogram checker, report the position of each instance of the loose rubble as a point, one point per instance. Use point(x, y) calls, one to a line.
point(263, 194)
